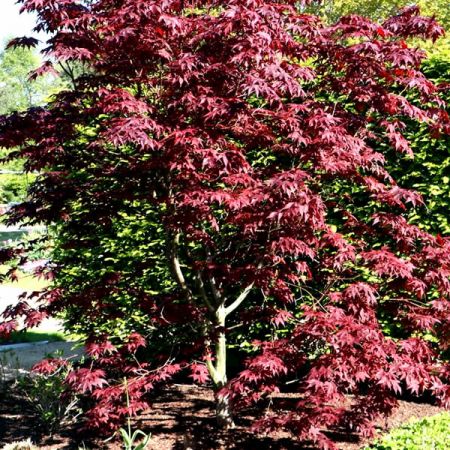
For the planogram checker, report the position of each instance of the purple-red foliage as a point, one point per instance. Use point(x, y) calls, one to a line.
point(256, 129)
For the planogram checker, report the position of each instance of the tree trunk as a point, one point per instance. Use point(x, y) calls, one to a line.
point(223, 412)
point(219, 373)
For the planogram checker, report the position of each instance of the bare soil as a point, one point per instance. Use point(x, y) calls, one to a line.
point(181, 418)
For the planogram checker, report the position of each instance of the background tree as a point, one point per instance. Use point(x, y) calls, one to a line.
point(378, 10)
point(17, 93)
point(250, 139)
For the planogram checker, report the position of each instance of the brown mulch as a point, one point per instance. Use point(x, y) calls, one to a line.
point(181, 418)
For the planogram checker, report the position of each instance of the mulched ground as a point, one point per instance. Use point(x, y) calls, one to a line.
point(181, 418)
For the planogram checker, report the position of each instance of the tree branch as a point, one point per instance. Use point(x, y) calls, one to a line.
point(201, 285)
point(214, 289)
point(229, 309)
point(203, 294)
point(69, 72)
point(176, 267)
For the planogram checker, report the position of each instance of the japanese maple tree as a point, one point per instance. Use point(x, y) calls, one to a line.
point(244, 137)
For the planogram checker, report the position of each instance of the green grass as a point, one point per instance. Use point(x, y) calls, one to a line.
point(430, 433)
point(34, 336)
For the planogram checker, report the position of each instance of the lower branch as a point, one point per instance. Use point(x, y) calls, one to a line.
point(175, 265)
point(239, 300)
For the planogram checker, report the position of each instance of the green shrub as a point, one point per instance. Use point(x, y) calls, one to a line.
point(46, 393)
point(430, 433)
point(13, 188)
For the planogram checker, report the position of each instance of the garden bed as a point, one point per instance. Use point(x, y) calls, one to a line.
point(181, 418)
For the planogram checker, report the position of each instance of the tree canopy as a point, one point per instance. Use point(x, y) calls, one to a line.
point(251, 140)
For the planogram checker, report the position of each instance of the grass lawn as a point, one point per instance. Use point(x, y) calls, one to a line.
point(34, 336)
point(49, 329)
